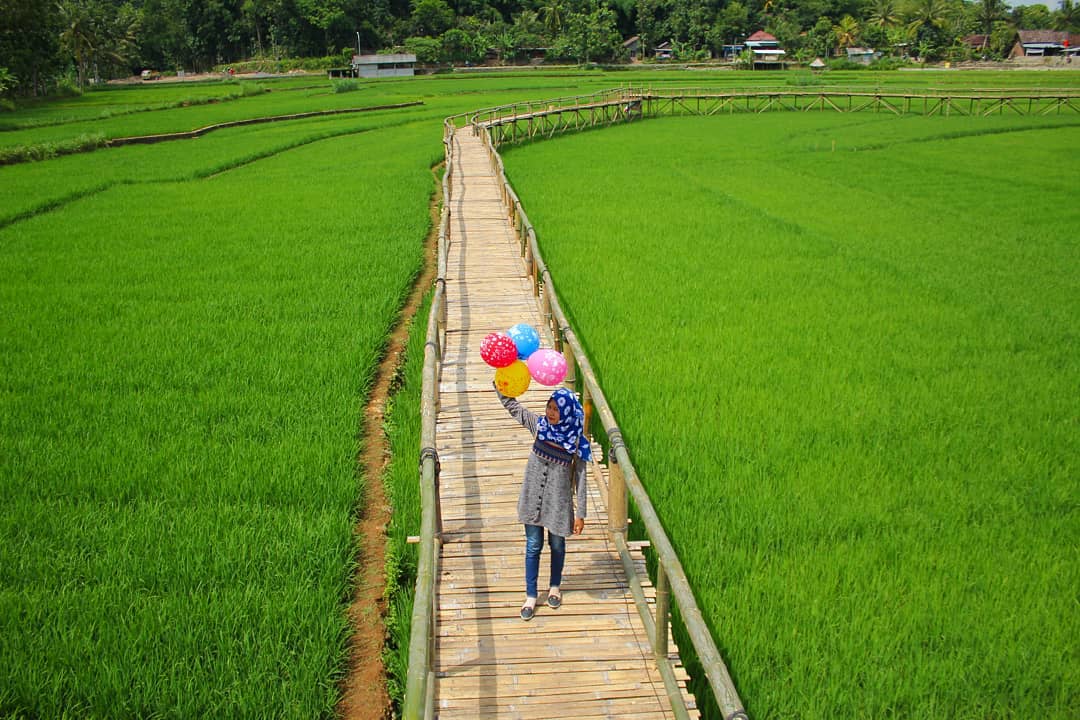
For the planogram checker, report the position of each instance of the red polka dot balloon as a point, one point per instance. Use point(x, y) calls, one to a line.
point(498, 350)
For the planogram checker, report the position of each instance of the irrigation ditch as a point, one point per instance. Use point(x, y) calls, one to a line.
point(364, 693)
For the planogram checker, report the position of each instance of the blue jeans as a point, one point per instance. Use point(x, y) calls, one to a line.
point(534, 543)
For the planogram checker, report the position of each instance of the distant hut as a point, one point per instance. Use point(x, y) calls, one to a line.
point(378, 66)
point(766, 50)
point(817, 64)
point(863, 56)
point(1044, 43)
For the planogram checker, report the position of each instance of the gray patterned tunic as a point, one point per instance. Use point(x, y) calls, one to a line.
point(547, 495)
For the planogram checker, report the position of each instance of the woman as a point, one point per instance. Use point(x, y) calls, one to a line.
point(547, 493)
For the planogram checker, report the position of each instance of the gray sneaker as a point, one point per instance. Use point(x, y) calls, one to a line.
point(527, 612)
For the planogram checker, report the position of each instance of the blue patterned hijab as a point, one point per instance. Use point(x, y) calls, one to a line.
point(568, 432)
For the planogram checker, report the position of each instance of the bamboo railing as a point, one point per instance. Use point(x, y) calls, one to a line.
point(419, 699)
point(544, 118)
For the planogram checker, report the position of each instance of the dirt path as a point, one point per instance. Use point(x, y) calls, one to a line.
point(364, 695)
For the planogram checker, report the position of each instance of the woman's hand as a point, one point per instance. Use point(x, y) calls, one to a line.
point(579, 525)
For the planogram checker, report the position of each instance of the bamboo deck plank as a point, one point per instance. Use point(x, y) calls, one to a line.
point(591, 657)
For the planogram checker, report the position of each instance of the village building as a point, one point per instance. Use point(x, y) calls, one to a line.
point(633, 47)
point(664, 51)
point(1044, 43)
point(977, 43)
point(766, 49)
point(379, 66)
point(863, 56)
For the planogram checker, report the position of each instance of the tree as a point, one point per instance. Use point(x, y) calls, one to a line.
point(1067, 16)
point(989, 11)
point(883, 14)
point(528, 29)
point(431, 17)
point(426, 49)
point(821, 39)
point(847, 32)
point(926, 22)
point(77, 36)
point(30, 44)
point(553, 14)
point(732, 24)
point(590, 35)
point(505, 45)
point(651, 22)
point(1032, 17)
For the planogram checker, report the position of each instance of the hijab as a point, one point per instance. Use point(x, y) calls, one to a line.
point(568, 432)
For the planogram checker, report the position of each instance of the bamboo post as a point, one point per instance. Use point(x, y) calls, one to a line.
point(571, 362)
point(663, 610)
point(587, 405)
point(617, 502)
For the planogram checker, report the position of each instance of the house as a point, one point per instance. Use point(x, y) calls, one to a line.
point(664, 51)
point(766, 50)
point(817, 64)
point(1043, 43)
point(863, 56)
point(633, 47)
point(977, 43)
point(730, 52)
point(378, 66)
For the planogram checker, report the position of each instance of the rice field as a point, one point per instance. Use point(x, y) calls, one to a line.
point(183, 370)
point(187, 336)
point(843, 352)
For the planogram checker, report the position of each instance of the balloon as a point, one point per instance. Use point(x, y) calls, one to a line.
point(526, 338)
point(498, 350)
point(513, 379)
point(547, 367)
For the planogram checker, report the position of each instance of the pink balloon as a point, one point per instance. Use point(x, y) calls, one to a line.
point(547, 367)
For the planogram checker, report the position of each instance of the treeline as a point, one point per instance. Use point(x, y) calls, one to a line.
point(46, 44)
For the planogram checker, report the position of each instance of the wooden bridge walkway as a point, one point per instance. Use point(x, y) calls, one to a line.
point(592, 658)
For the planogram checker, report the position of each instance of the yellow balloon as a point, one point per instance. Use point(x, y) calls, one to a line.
point(513, 379)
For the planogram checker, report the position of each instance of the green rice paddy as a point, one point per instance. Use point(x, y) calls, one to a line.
point(843, 351)
point(184, 368)
point(188, 332)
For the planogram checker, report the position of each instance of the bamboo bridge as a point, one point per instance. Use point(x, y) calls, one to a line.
point(540, 119)
point(608, 652)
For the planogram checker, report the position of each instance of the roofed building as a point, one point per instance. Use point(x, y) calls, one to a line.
point(766, 50)
point(1043, 43)
point(377, 66)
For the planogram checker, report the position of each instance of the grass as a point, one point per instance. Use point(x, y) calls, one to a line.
point(878, 511)
point(187, 334)
point(403, 430)
point(184, 366)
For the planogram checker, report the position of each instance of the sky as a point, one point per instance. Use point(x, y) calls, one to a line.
point(1052, 4)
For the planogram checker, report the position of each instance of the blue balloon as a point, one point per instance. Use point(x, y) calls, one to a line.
point(525, 338)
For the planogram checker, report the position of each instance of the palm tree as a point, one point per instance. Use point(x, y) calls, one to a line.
point(927, 14)
point(1067, 16)
point(78, 36)
point(553, 14)
point(847, 32)
point(884, 14)
point(989, 11)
